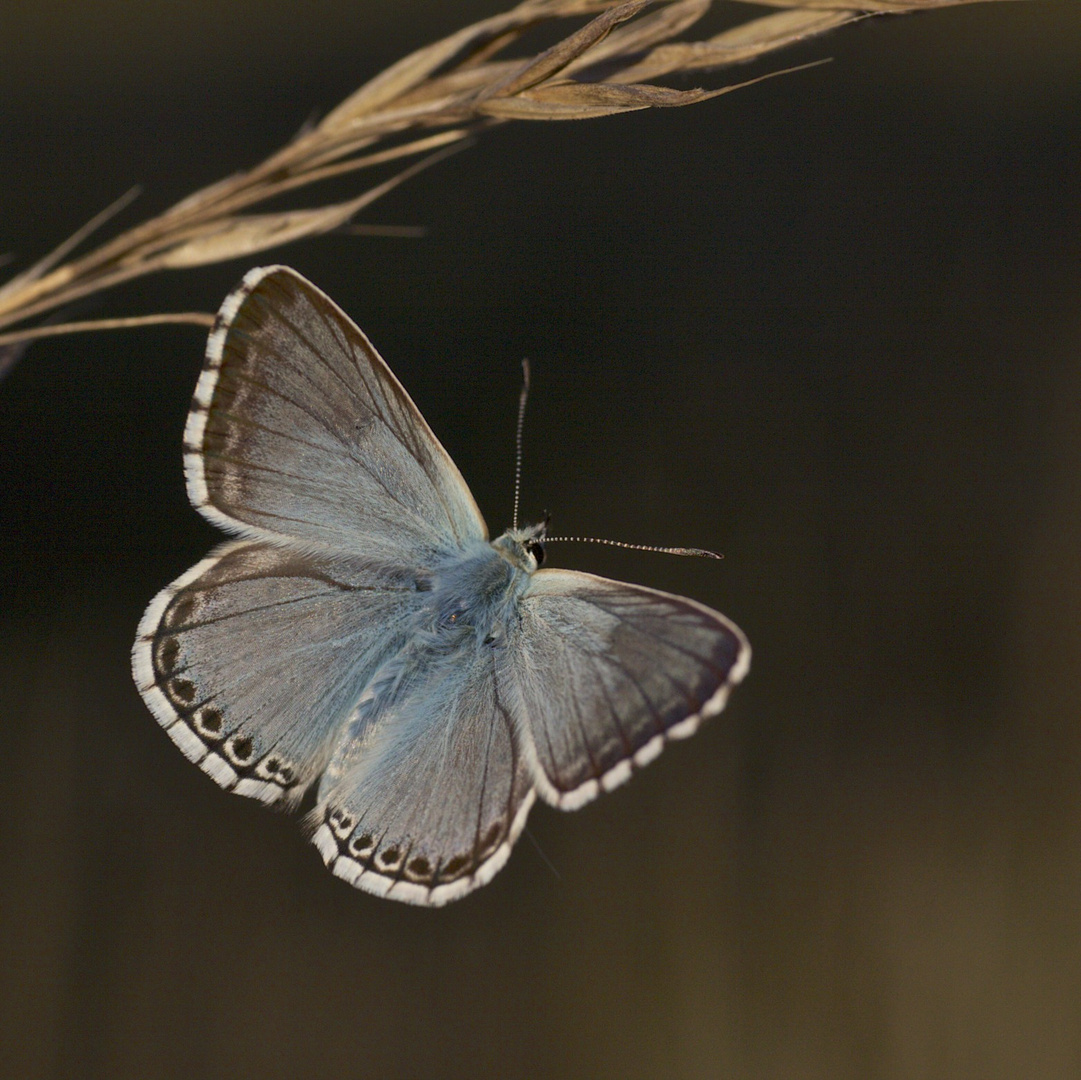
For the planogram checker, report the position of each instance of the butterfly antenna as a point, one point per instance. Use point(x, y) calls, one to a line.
point(696, 552)
point(523, 397)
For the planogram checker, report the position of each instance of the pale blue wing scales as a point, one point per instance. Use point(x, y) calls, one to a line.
point(253, 660)
point(299, 432)
point(604, 674)
point(438, 792)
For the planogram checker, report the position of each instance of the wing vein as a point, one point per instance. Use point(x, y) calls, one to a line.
point(628, 747)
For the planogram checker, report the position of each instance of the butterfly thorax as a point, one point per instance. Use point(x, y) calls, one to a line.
point(470, 605)
point(469, 595)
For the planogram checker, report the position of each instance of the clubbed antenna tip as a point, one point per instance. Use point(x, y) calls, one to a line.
point(697, 552)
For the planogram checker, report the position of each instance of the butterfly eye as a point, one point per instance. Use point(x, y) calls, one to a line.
point(536, 549)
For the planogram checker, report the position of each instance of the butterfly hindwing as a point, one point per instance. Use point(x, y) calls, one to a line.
point(604, 673)
point(253, 659)
point(439, 789)
point(299, 431)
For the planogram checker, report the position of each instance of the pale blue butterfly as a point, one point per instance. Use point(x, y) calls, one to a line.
point(362, 641)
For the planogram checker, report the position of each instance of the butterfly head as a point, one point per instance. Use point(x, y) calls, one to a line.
point(524, 547)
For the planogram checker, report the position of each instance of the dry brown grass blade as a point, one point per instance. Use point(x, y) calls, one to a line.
point(177, 318)
point(643, 33)
point(47, 262)
point(747, 41)
point(584, 101)
point(895, 7)
point(408, 73)
point(436, 97)
point(579, 101)
point(552, 61)
point(404, 76)
point(249, 234)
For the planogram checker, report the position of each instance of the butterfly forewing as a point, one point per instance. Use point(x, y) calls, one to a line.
point(604, 673)
point(299, 431)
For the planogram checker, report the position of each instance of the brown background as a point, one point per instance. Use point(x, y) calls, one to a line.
point(829, 325)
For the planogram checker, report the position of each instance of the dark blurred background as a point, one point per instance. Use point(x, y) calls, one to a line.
point(828, 325)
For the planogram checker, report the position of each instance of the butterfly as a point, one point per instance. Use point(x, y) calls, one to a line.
point(362, 647)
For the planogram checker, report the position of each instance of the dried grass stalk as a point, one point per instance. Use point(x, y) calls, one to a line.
point(454, 87)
